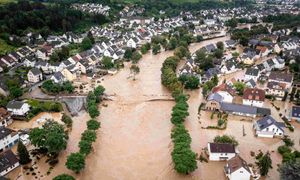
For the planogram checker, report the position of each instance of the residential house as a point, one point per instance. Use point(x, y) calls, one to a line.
point(276, 89)
point(281, 78)
point(237, 168)
point(18, 108)
point(132, 42)
point(230, 44)
point(225, 91)
point(251, 73)
point(269, 127)
point(289, 46)
point(251, 83)
point(8, 138)
point(220, 151)
point(58, 77)
point(229, 66)
point(5, 117)
point(8, 61)
point(214, 102)
point(279, 63)
point(34, 75)
point(69, 73)
point(244, 110)
point(8, 162)
point(295, 113)
point(254, 97)
point(29, 61)
point(42, 54)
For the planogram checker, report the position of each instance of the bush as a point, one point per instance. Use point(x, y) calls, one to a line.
point(67, 120)
point(226, 139)
point(283, 149)
point(64, 177)
point(93, 124)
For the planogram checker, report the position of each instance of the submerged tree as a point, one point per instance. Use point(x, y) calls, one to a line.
point(24, 156)
point(264, 163)
point(290, 170)
point(134, 69)
point(75, 162)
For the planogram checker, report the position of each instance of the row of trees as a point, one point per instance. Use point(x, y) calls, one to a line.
point(182, 155)
point(54, 88)
point(76, 161)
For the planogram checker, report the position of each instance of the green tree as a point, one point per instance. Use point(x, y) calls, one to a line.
point(172, 43)
point(15, 92)
point(98, 92)
point(64, 177)
point(89, 135)
point(134, 69)
point(67, 120)
point(128, 53)
point(220, 45)
point(75, 162)
point(226, 139)
point(155, 49)
point(67, 86)
point(136, 56)
point(218, 53)
point(290, 170)
point(93, 111)
point(107, 62)
point(86, 44)
point(181, 52)
point(51, 137)
point(239, 87)
point(85, 147)
point(93, 124)
point(24, 156)
point(264, 163)
point(184, 159)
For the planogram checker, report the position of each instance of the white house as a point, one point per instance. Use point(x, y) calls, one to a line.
point(276, 89)
point(8, 138)
point(58, 77)
point(132, 42)
point(220, 151)
point(34, 75)
point(8, 162)
point(254, 97)
point(237, 168)
point(281, 78)
point(269, 127)
point(225, 91)
point(18, 108)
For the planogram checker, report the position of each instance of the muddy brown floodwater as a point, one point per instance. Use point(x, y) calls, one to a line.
point(134, 140)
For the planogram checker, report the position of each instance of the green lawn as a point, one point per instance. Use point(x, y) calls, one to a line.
point(6, 1)
point(5, 48)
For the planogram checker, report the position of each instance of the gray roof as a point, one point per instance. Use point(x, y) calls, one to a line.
point(4, 132)
point(215, 96)
point(58, 75)
point(268, 121)
point(240, 108)
point(296, 111)
point(35, 71)
point(252, 72)
point(252, 82)
point(15, 104)
point(7, 160)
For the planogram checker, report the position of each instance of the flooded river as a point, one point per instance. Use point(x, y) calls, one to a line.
point(134, 140)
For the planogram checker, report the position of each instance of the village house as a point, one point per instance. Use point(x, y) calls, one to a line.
point(276, 89)
point(251, 73)
point(8, 162)
point(221, 151)
point(214, 102)
point(269, 127)
point(295, 113)
point(229, 66)
point(225, 91)
point(18, 108)
point(237, 168)
point(8, 138)
point(35, 75)
point(58, 77)
point(70, 73)
point(5, 117)
point(244, 110)
point(254, 97)
point(281, 78)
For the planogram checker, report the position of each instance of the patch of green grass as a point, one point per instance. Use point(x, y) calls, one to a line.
point(5, 48)
point(6, 1)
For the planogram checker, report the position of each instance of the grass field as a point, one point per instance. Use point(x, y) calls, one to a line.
point(6, 1)
point(5, 48)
